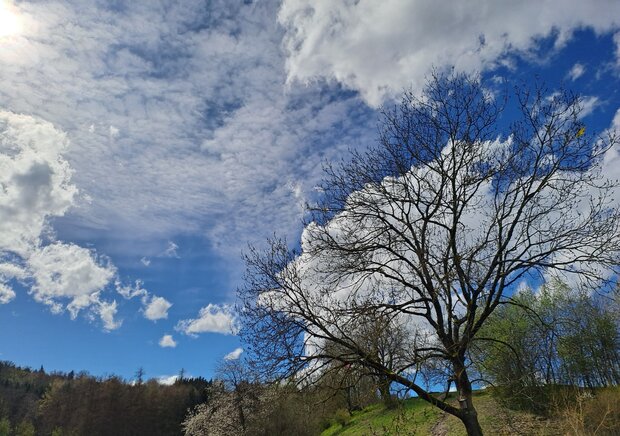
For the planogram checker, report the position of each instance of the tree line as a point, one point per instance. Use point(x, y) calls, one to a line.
point(548, 342)
point(544, 353)
point(548, 348)
point(61, 404)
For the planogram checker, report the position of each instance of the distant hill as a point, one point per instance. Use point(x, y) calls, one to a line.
point(80, 404)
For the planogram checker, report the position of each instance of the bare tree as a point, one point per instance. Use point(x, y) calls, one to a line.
point(433, 229)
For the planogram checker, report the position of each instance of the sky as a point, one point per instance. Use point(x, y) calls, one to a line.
point(145, 144)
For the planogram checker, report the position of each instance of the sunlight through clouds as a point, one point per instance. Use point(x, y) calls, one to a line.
point(10, 22)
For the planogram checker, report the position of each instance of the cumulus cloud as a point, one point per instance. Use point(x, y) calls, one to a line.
point(153, 307)
point(6, 294)
point(35, 180)
point(212, 318)
point(611, 161)
point(68, 272)
point(128, 291)
point(234, 355)
point(8, 272)
point(156, 308)
point(35, 186)
point(167, 341)
point(335, 40)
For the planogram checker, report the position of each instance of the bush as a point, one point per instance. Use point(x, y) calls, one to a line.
point(25, 428)
point(5, 427)
point(593, 414)
point(342, 417)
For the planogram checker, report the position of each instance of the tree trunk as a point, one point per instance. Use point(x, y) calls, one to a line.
point(470, 420)
point(386, 395)
point(469, 416)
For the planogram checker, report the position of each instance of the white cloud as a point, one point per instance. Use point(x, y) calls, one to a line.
point(611, 162)
point(234, 355)
point(167, 380)
point(169, 83)
point(145, 261)
point(36, 186)
point(6, 294)
point(156, 308)
point(336, 40)
point(128, 291)
point(212, 319)
point(617, 42)
point(167, 341)
point(153, 307)
point(9, 271)
point(107, 311)
point(589, 103)
point(577, 71)
point(66, 272)
point(171, 250)
point(35, 180)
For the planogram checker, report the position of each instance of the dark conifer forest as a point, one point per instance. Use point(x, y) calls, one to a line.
point(37, 402)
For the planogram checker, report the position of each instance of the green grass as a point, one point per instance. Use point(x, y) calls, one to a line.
point(413, 416)
point(417, 417)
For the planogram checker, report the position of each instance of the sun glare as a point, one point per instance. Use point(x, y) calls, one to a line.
point(10, 23)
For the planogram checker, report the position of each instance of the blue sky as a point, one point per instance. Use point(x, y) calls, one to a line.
point(145, 144)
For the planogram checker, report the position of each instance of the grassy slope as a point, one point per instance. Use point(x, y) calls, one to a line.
point(413, 413)
point(416, 417)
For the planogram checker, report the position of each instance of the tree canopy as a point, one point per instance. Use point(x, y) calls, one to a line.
point(432, 230)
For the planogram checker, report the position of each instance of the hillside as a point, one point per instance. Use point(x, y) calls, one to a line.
point(416, 417)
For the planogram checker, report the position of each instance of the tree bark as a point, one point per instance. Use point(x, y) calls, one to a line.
point(468, 413)
point(470, 421)
point(386, 395)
